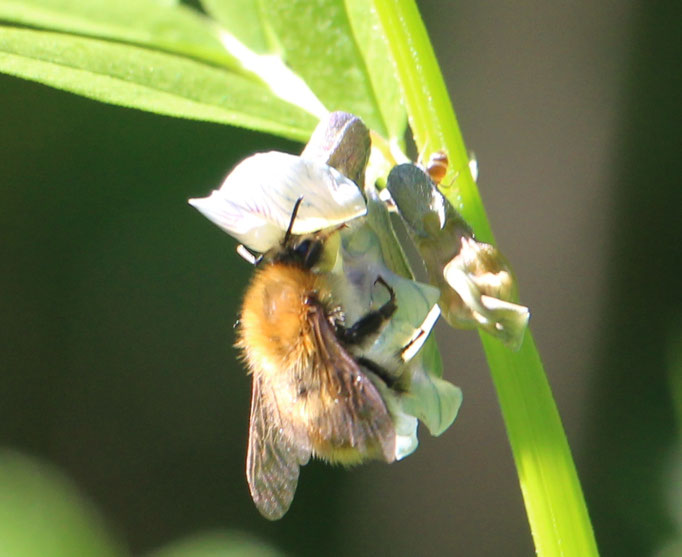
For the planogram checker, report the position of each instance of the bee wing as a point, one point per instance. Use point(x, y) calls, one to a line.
point(274, 454)
point(356, 415)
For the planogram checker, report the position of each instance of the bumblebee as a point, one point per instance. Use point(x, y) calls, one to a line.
point(311, 395)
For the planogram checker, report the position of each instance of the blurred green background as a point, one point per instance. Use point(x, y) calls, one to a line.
point(117, 302)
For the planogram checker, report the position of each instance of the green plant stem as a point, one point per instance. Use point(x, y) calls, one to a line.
point(554, 501)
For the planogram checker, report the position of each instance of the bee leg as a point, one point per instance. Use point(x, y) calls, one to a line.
point(371, 323)
point(379, 371)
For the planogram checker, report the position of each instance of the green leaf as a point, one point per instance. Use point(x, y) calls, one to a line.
point(317, 41)
point(335, 46)
point(42, 513)
point(383, 76)
point(244, 19)
point(140, 78)
point(163, 26)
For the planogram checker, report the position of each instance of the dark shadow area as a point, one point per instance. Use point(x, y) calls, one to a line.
point(632, 425)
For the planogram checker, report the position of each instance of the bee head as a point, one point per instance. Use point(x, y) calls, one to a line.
point(301, 250)
point(304, 251)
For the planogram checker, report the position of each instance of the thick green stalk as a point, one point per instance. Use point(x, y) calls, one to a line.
point(554, 501)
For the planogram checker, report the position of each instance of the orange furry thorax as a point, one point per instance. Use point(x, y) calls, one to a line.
point(274, 325)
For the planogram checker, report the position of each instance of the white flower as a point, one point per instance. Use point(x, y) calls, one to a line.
point(404, 349)
point(255, 202)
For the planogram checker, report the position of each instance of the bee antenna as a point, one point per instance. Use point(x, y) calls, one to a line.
point(294, 212)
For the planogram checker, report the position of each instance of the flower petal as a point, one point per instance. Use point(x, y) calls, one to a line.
point(404, 349)
point(256, 200)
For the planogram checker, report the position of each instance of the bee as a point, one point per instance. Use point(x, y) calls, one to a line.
point(311, 395)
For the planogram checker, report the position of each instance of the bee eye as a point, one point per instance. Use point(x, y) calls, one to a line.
point(303, 248)
point(308, 252)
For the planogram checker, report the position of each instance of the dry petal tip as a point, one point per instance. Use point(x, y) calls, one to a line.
point(477, 285)
point(482, 279)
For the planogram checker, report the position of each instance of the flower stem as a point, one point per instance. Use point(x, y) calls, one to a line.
point(554, 501)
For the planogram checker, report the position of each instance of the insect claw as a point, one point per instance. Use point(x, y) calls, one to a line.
point(391, 292)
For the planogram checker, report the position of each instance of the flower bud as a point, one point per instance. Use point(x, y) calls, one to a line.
point(342, 142)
